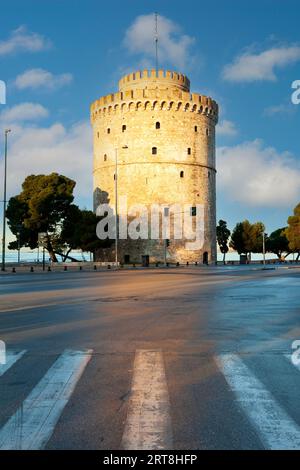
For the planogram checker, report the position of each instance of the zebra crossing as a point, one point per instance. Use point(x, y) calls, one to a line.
point(148, 423)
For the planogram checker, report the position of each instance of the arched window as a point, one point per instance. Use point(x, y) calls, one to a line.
point(189, 151)
point(157, 125)
point(108, 130)
point(182, 174)
point(123, 128)
point(154, 150)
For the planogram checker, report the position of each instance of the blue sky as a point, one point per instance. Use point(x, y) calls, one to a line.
point(58, 56)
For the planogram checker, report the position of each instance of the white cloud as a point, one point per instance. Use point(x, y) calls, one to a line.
point(259, 176)
point(22, 40)
point(250, 67)
point(40, 78)
point(42, 150)
point(226, 128)
point(23, 112)
point(279, 109)
point(173, 46)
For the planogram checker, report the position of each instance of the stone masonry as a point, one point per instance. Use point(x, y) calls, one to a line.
point(164, 137)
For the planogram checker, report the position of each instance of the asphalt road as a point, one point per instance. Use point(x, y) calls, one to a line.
point(187, 358)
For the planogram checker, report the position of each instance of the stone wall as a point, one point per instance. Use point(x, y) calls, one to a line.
point(157, 110)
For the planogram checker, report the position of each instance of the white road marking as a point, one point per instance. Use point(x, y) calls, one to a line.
point(33, 423)
point(11, 358)
point(275, 427)
point(148, 424)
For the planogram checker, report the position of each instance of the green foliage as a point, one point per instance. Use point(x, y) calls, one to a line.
point(42, 206)
point(45, 205)
point(247, 238)
point(292, 232)
point(223, 234)
point(277, 243)
point(79, 231)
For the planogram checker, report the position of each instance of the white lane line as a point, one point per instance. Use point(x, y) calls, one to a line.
point(11, 358)
point(33, 423)
point(148, 424)
point(276, 428)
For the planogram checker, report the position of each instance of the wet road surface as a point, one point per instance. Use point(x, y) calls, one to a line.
point(187, 358)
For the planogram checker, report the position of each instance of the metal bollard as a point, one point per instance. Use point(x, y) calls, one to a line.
point(65, 268)
point(13, 270)
point(49, 269)
point(80, 268)
point(95, 267)
point(108, 266)
point(31, 269)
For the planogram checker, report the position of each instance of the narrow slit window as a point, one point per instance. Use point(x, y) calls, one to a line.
point(108, 130)
point(105, 157)
point(207, 132)
point(196, 128)
point(157, 125)
point(189, 151)
point(124, 128)
point(182, 174)
point(154, 150)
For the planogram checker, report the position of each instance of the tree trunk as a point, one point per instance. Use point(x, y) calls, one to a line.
point(51, 250)
point(66, 256)
point(224, 256)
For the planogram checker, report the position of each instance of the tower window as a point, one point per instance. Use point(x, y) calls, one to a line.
point(105, 157)
point(193, 211)
point(182, 174)
point(196, 128)
point(108, 130)
point(123, 128)
point(207, 132)
point(157, 125)
point(115, 176)
point(154, 150)
point(189, 151)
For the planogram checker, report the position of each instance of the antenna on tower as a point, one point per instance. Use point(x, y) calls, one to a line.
point(156, 42)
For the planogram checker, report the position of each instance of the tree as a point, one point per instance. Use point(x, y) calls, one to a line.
point(237, 240)
point(223, 234)
point(79, 231)
point(42, 206)
point(247, 238)
point(277, 243)
point(292, 232)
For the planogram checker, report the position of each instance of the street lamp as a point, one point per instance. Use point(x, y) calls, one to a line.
point(264, 248)
point(6, 132)
point(116, 203)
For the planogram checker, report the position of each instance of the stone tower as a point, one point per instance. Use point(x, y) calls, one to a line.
point(164, 139)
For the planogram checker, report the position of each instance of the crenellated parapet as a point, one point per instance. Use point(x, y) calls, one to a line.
point(155, 78)
point(150, 90)
point(154, 99)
